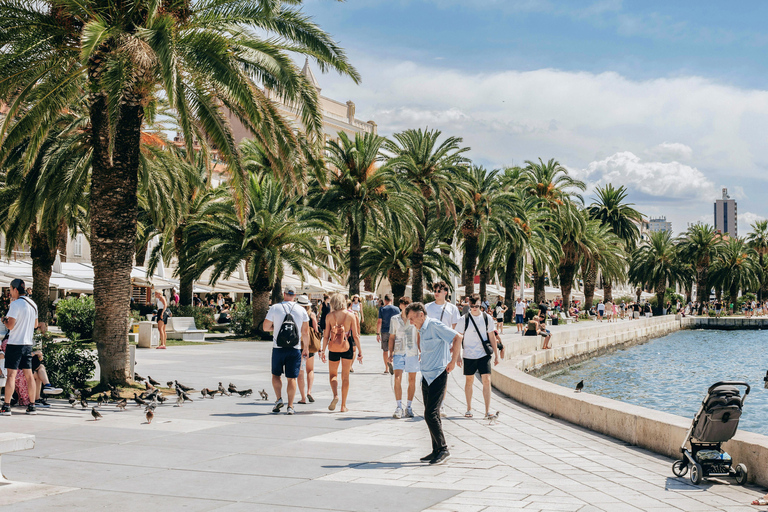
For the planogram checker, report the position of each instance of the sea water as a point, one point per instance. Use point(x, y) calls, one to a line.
point(672, 373)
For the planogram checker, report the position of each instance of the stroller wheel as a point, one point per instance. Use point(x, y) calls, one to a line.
point(696, 473)
point(680, 468)
point(741, 474)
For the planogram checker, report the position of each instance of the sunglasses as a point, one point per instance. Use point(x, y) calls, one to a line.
point(474, 307)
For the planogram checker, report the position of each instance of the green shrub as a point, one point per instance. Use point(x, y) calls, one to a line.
point(68, 365)
point(76, 317)
point(428, 297)
point(370, 317)
point(747, 297)
point(204, 317)
point(143, 309)
point(242, 318)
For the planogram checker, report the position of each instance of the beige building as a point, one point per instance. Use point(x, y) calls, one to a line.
point(726, 215)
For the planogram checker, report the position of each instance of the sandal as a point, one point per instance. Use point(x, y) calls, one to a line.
point(761, 502)
point(302, 402)
point(311, 400)
point(468, 414)
point(332, 407)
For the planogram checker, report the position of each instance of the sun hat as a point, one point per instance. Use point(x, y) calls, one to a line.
point(302, 300)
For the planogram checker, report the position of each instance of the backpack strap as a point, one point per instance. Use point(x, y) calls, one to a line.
point(29, 302)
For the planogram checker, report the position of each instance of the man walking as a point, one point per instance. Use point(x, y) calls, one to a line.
point(21, 321)
point(520, 315)
point(290, 324)
point(440, 309)
point(404, 356)
point(437, 342)
point(479, 347)
point(386, 313)
point(600, 310)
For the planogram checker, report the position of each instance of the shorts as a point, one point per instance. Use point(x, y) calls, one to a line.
point(384, 341)
point(636, 314)
point(473, 366)
point(18, 357)
point(165, 314)
point(349, 354)
point(519, 319)
point(500, 320)
point(37, 362)
point(409, 364)
point(288, 360)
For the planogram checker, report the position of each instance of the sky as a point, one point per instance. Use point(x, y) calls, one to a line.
point(669, 99)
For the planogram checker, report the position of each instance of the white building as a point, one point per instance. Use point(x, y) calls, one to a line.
point(659, 224)
point(726, 215)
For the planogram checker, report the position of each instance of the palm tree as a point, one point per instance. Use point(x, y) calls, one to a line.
point(278, 231)
point(551, 183)
point(758, 240)
point(487, 202)
point(606, 254)
point(700, 245)
point(655, 263)
point(611, 210)
point(736, 268)
point(433, 170)
point(204, 57)
point(363, 194)
point(571, 228)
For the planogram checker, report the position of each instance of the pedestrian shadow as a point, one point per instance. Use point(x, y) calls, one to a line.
point(375, 465)
point(684, 484)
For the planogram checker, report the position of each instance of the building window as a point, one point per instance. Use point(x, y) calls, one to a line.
point(725, 219)
point(78, 246)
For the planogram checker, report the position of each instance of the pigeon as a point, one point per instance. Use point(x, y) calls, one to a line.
point(232, 388)
point(248, 392)
point(151, 396)
point(122, 403)
point(161, 398)
point(137, 377)
point(148, 386)
point(493, 418)
point(223, 391)
point(185, 397)
point(150, 413)
point(264, 395)
point(83, 403)
point(114, 394)
point(152, 405)
point(152, 381)
point(580, 386)
point(204, 392)
point(138, 400)
point(209, 392)
point(179, 401)
point(169, 383)
point(96, 414)
point(72, 400)
point(182, 386)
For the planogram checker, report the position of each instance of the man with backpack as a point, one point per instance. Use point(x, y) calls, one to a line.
point(290, 324)
point(479, 347)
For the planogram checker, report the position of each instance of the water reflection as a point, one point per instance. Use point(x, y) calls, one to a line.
point(672, 373)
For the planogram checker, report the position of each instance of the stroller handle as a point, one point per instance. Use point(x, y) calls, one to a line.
point(731, 383)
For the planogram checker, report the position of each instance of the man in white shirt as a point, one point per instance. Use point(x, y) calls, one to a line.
point(404, 357)
point(477, 328)
point(441, 309)
point(520, 315)
point(21, 321)
point(600, 310)
point(287, 355)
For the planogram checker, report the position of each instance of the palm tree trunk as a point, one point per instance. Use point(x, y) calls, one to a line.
point(510, 273)
point(607, 291)
point(590, 279)
point(186, 281)
point(733, 295)
point(114, 183)
point(186, 289)
point(702, 290)
point(689, 292)
point(61, 242)
point(484, 275)
point(567, 273)
point(260, 291)
point(355, 249)
point(539, 292)
point(417, 260)
point(277, 291)
point(661, 288)
point(43, 256)
point(469, 264)
point(398, 279)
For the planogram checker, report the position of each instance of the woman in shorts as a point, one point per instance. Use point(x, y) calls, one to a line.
point(499, 312)
point(162, 317)
point(340, 317)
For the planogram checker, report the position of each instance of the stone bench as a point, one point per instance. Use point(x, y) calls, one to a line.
point(11, 442)
point(184, 328)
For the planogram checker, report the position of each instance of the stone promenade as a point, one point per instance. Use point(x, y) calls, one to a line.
point(232, 454)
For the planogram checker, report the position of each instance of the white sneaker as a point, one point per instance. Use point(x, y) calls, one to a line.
point(289, 411)
point(409, 412)
point(398, 413)
point(442, 413)
point(50, 390)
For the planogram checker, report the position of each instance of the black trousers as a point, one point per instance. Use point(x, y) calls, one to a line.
point(433, 399)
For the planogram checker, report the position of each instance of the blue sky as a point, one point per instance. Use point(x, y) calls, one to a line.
point(667, 98)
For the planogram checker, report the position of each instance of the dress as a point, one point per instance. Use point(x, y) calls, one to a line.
point(21, 383)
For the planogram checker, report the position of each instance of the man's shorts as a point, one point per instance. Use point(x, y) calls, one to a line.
point(519, 319)
point(18, 357)
point(384, 341)
point(473, 366)
point(288, 360)
point(409, 364)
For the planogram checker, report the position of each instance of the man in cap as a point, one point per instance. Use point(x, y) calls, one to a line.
point(21, 321)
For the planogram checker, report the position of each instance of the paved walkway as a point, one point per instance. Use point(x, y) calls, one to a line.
point(232, 454)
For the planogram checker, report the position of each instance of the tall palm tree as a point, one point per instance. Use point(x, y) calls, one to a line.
point(758, 240)
point(571, 228)
point(606, 254)
point(736, 268)
point(204, 57)
point(656, 263)
point(700, 245)
point(487, 202)
point(278, 231)
point(432, 168)
point(611, 210)
point(364, 194)
point(551, 183)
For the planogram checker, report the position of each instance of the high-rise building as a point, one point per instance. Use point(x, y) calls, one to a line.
point(659, 224)
point(726, 215)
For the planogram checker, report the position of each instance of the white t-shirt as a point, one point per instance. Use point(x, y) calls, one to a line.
point(449, 313)
point(276, 314)
point(25, 313)
point(499, 311)
point(520, 308)
point(473, 345)
point(405, 336)
point(601, 307)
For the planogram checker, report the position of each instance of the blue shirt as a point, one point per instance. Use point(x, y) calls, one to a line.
point(436, 339)
point(386, 313)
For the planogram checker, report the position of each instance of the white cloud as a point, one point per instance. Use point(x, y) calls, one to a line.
point(746, 219)
point(671, 151)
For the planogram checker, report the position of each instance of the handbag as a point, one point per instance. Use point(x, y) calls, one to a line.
point(315, 341)
point(485, 342)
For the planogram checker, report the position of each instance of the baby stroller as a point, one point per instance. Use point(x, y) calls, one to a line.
point(715, 423)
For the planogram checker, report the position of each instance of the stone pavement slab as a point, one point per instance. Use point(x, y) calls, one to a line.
point(232, 453)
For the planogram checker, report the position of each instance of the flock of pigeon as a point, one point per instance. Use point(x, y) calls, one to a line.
point(151, 397)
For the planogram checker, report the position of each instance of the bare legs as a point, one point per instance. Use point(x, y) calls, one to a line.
point(310, 374)
point(301, 382)
point(333, 372)
point(10, 384)
point(468, 388)
point(277, 385)
point(161, 332)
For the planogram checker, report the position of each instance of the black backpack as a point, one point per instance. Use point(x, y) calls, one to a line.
point(288, 336)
